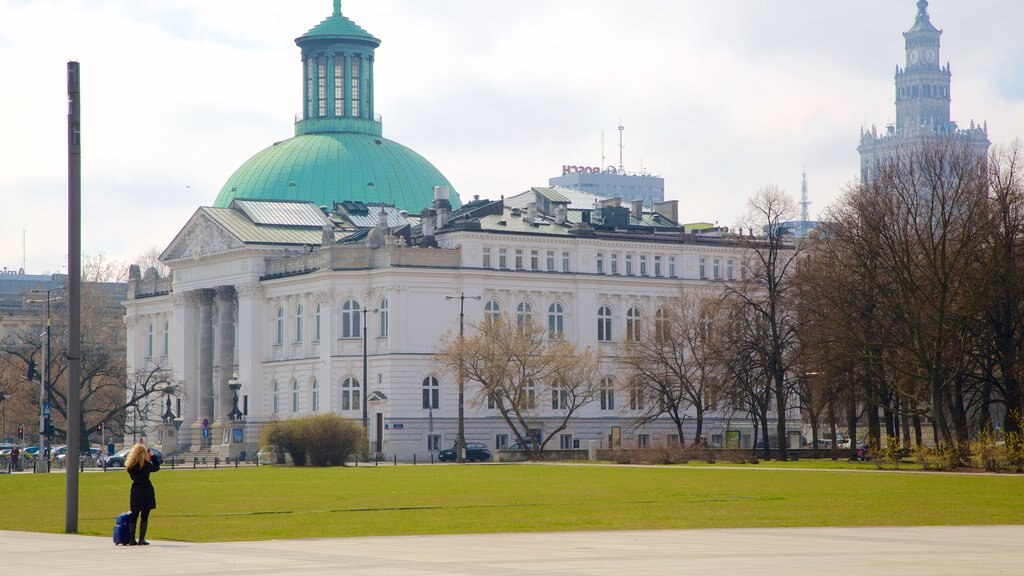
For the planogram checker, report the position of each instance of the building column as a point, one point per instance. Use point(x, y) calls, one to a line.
point(225, 358)
point(205, 384)
point(184, 356)
point(251, 327)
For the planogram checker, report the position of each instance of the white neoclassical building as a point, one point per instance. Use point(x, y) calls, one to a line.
point(281, 294)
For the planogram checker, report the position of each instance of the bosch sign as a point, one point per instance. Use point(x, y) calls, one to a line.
point(567, 169)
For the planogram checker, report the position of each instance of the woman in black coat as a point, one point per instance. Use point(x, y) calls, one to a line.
point(140, 463)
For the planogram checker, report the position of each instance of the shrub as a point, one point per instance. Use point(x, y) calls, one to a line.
point(988, 454)
point(323, 439)
point(892, 453)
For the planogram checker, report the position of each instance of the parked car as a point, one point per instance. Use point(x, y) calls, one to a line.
point(530, 445)
point(61, 453)
point(117, 459)
point(475, 452)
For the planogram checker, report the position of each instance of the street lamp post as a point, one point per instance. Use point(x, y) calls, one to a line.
point(461, 452)
point(366, 423)
point(43, 463)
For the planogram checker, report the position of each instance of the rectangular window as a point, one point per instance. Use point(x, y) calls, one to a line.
point(657, 266)
point(744, 269)
point(357, 68)
point(629, 264)
point(643, 440)
point(673, 440)
point(565, 262)
point(433, 442)
point(615, 264)
point(728, 269)
point(671, 266)
point(309, 87)
point(550, 261)
point(716, 268)
point(503, 258)
point(702, 268)
point(600, 262)
point(487, 256)
point(565, 441)
point(321, 86)
point(643, 264)
point(339, 86)
point(500, 441)
point(534, 259)
point(519, 258)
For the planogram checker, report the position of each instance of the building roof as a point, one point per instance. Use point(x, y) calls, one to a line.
point(324, 168)
point(337, 27)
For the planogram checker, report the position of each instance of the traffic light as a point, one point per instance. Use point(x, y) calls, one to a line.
point(21, 433)
point(31, 370)
point(99, 427)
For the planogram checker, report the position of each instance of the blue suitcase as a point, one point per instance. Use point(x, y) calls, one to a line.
point(122, 534)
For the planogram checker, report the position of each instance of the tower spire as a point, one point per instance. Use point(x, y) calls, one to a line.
point(337, 7)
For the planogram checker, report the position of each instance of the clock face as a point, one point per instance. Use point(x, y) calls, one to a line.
point(913, 56)
point(929, 56)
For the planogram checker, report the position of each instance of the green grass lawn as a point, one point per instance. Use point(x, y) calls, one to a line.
point(285, 502)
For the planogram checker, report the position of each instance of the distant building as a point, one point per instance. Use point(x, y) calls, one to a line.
point(612, 182)
point(922, 104)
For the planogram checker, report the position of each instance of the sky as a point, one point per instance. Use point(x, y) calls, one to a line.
point(719, 97)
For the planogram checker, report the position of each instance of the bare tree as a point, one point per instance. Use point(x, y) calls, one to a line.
point(767, 292)
point(928, 212)
point(517, 367)
point(673, 363)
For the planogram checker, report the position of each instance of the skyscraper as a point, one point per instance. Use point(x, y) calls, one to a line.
point(922, 103)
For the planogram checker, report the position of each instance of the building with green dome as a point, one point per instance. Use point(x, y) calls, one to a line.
point(338, 151)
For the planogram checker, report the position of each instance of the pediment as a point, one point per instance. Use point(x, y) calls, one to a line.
point(201, 237)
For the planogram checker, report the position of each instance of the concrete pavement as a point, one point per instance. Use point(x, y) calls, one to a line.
point(925, 551)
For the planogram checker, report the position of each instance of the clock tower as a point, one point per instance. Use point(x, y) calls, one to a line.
point(922, 87)
point(922, 103)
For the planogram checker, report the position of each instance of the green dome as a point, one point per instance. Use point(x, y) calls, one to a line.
point(338, 149)
point(338, 166)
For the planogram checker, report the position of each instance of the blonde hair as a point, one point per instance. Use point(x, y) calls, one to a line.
point(137, 457)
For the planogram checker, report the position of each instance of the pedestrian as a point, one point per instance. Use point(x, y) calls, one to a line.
point(15, 454)
point(140, 463)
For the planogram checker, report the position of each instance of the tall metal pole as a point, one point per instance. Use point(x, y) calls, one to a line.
point(366, 423)
point(74, 296)
point(41, 461)
point(461, 439)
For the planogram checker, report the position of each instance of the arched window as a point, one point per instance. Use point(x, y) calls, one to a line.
point(316, 395)
point(662, 332)
point(604, 324)
point(167, 339)
point(636, 396)
point(350, 394)
point(556, 321)
point(633, 324)
point(431, 393)
point(607, 393)
point(298, 324)
point(492, 311)
point(277, 398)
point(316, 323)
point(279, 327)
point(295, 396)
point(524, 315)
point(382, 319)
point(350, 327)
point(528, 396)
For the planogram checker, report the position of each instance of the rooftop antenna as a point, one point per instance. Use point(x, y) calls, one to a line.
point(621, 147)
point(804, 202)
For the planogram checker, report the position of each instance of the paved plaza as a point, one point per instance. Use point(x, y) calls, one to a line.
point(926, 551)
